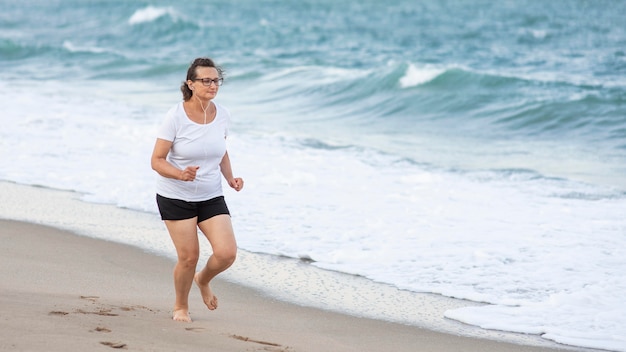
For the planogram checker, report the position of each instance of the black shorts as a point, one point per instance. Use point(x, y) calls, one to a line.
point(176, 209)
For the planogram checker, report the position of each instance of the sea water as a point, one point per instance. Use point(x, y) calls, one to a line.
point(471, 149)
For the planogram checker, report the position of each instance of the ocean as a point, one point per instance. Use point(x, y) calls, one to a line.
point(468, 149)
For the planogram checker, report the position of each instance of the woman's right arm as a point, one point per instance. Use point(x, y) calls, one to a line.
point(164, 168)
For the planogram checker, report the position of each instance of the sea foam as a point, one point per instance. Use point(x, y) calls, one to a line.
point(149, 14)
point(415, 75)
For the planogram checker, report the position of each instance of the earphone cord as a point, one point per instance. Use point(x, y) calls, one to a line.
point(203, 144)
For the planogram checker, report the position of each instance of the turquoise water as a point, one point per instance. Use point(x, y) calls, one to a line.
point(504, 78)
point(484, 142)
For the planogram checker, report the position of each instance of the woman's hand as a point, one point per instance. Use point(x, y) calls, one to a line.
point(236, 183)
point(189, 174)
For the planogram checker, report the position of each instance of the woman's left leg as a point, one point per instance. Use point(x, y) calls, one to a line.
point(219, 231)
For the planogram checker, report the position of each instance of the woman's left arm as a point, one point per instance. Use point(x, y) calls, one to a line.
point(235, 183)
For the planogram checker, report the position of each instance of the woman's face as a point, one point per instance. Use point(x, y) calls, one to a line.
point(205, 85)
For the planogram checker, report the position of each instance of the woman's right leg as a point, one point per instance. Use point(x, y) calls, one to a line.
point(184, 235)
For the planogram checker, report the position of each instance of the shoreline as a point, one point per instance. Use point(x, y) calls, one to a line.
point(308, 306)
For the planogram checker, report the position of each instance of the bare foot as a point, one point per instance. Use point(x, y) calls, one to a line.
point(181, 315)
point(207, 295)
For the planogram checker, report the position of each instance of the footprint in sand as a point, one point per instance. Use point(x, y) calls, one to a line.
point(91, 298)
point(57, 312)
point(135, 307)
point(247, 339)
point(194, 329)
point(105, 312)
point(114, 344)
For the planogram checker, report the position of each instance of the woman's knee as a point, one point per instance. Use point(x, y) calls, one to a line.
point(225, 255)
point(189, 259)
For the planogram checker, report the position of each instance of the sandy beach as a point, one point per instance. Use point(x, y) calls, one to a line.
point(74, 280)
point(63, 292)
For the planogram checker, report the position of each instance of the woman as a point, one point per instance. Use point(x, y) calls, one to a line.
point(189, 155)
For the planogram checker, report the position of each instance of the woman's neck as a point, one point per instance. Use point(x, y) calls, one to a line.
point(199, 104)
point(202, 109)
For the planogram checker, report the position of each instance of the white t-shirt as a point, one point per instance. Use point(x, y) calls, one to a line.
point(194, 145)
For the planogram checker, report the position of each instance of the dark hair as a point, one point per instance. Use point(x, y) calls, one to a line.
point(192, 74)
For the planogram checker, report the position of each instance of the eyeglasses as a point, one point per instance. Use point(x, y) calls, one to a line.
point(207, 81)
